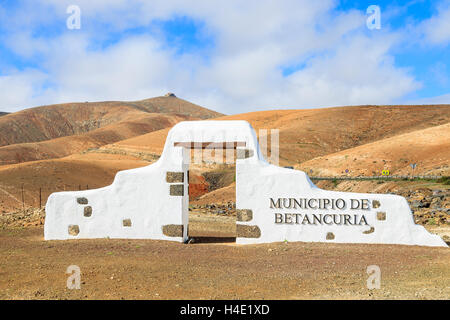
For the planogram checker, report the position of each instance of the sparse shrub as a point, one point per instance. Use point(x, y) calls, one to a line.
point(335, 183)
point(444, 180)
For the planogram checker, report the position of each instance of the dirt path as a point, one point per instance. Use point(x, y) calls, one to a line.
point(210, 225)
point(31, 268)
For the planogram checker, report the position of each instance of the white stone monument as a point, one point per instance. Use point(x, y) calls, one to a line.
point(273, 203)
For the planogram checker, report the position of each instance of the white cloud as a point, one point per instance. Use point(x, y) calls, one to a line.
point(360, 72)
point(18, 89)
point(344, 64)
point(437, 28)
point(134, 68)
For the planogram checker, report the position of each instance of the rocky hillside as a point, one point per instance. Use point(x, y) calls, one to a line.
point(430, 207)
point(55, 121)
point(64, 146)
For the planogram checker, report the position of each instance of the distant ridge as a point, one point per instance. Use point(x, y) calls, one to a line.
point(3, 113)
point(172, 104)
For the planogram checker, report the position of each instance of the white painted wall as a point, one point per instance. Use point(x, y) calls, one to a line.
point(142, 195)
point(257, 183)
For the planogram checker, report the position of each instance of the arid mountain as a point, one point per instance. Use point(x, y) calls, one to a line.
point(428, 148)
point(60, 130)
point(307, 134)
point(3, 113)
point(55, 121)
point(64, 146)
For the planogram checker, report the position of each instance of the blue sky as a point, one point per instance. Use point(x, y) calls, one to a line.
point(234, 56)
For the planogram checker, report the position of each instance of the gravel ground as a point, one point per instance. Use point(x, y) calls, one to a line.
point(31, 268)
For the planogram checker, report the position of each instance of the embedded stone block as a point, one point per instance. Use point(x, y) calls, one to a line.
point(376, 204)
point(244, 215)
point(174, 177)
point(88, 211)
point(381, 215)
point(74, 230)
point(82, 200)
point(245, 231)
point(173, 230)
point(177, 190)
point(371, 230)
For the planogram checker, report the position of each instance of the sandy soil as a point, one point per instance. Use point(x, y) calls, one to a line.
point(31, 268)
point(211, 225)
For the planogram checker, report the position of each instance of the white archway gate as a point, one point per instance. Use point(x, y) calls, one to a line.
point(273, 203)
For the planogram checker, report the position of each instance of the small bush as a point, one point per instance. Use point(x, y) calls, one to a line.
point(335, 183)
point(444, 180)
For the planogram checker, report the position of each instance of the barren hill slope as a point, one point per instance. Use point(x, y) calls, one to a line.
point(428, 148)
point(3, 113)
point(55, 121)
point(307, 134)
point(60, 147)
